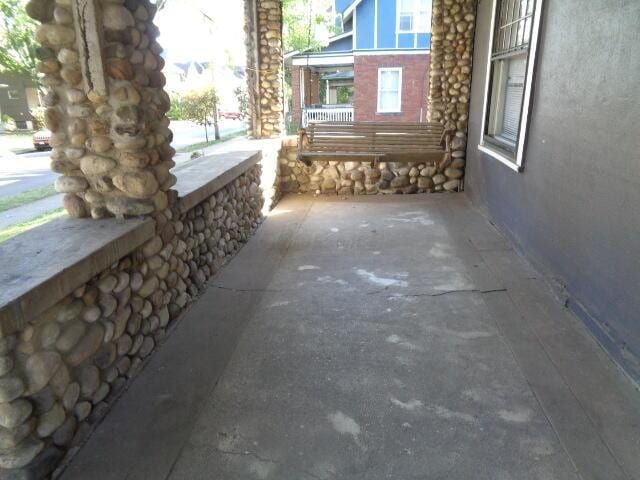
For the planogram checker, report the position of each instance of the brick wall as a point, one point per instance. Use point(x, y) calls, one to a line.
point(415, 82)
point(296, 111)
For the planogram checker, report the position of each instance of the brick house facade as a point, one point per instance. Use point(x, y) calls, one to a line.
point(376, 69)
point(415, 81)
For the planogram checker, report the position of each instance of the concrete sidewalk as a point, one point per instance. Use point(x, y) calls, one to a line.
point(395, 337)
point(29, 211)
point(32, 210)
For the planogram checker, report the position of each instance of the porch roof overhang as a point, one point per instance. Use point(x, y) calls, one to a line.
point(348, 75)
point(323, 59)
point(306, 57)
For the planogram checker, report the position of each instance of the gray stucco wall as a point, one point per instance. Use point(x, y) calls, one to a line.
point(575, 209)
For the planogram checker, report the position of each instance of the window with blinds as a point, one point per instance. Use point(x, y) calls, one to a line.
point(508, 76)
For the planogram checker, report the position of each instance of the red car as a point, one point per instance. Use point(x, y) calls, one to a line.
point(229, 115)
point(41, 139)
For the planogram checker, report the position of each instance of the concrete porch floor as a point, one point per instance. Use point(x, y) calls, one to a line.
point(383, 337)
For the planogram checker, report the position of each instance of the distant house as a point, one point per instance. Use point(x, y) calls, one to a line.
point(185, 77)
point(18, 96)
point(375, 69)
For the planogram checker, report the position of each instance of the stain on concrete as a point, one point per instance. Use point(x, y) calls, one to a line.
point(414, 218)
point(261, 469)
point(411, 405)
point(279, 304)
point(446, 414)
point(396, 340)
point(382, 281)
point(519, 415)
point(329, 279)
point(308, 267)
point(345, 425)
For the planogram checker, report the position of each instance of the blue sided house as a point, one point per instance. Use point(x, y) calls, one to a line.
point(376, 68)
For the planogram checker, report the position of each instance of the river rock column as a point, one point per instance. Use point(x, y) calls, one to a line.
point(453, 27)
point(105, 104)
point(263, 30)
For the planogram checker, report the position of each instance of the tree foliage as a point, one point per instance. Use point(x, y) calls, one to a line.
point(17, 39)
point(200, 107)
point(307, 24)
point(243, 101)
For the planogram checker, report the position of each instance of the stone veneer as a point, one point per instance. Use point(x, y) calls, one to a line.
point(361, 178)
point(105, 105)
point(263, 29)
point(452, 32)
point(62, 369)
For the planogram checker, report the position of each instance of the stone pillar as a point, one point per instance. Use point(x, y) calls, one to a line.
point(263, 30)
point(105, 105)
point(453, 27)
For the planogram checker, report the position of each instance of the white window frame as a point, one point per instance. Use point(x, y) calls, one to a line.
point(390, 69)
point(414, 16)
point(513, 161)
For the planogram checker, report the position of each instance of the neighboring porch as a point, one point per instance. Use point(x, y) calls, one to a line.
point(380, 337)
point(336, 91)
point(322, 93)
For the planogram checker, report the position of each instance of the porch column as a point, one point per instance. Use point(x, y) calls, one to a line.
point(263, 30)
point(453, 27)
point(106, 107)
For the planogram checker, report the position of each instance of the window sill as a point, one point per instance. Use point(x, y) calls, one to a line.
point(501, 157)
point(388, 113)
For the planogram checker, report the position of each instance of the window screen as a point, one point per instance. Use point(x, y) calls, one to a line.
point(509, 56)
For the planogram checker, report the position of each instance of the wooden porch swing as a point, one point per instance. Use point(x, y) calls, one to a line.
point(378, 141)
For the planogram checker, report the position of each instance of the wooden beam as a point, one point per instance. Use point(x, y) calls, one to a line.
point(86, 17)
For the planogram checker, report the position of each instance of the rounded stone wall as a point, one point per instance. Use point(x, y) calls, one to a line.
point(105, 105)
point(453, 28)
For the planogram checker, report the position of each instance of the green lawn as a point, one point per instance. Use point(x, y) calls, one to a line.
point(26, 197)
point(18, 228)
point(18, 141)
point(201, 145)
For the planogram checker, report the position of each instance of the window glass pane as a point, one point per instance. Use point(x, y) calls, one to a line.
point(388, 101)
point(407, 5)
point(513, 95)
point(389, 80)
point(424, 22)
point(406, 23)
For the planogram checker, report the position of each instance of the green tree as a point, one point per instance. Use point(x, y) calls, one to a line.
point(17, 39)
point(243, 101)
point(307, 24)
point(200, 106)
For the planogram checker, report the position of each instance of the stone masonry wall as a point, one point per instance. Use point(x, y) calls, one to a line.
point(105, 107)
point(453, 27)
point(61, 373)
point(346, 178)
point(265, 68)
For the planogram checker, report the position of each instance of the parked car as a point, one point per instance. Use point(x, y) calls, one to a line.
point(41, 139)
point(229, 115)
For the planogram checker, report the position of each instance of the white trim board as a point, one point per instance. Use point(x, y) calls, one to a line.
point(391, 51)
point(320, 60)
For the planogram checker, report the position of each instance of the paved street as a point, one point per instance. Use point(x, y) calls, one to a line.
point(27, 171)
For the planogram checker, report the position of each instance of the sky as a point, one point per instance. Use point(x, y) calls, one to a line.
point(187, 35)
